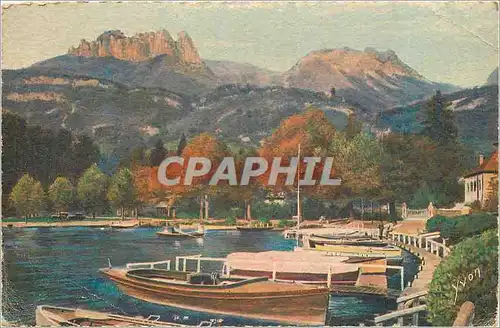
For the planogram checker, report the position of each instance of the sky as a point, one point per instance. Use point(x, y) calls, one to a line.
point(453, 42)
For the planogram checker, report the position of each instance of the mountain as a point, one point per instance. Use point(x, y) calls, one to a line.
point(372, 80)
point(248, 114)
point(229, 72)
point(117, 116)
point(140, 47)
point(476, 115)
point(493, 78)
point(152, 59)
point(120, 117)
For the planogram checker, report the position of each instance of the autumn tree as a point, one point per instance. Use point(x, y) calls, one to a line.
point(122, 192)
point(61, 194)
point(28, 197)
point(207, 146)
point(312, 131)
point(91, 189)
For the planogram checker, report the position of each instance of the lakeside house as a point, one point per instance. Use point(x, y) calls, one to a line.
point(478, 182)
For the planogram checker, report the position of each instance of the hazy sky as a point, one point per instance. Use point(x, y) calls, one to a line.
point(448, 42)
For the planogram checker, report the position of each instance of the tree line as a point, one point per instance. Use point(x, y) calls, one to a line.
point(388, 168)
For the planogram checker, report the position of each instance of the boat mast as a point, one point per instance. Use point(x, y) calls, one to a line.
point(298, 195)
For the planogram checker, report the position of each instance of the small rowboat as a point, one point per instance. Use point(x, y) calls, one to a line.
point(248, 297)
point(124, 224)
point(254, 228)
point(169, 232)
point(47, 315)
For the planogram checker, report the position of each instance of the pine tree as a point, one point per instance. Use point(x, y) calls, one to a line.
point(158, 153)
point(439, 123)
point(182, 144)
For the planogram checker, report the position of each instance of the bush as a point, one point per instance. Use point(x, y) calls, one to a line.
point(475, 258)
point(285, 223)
point(231, 220)
point(460, 227)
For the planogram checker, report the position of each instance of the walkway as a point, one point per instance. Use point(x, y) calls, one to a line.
point(428, 265)
point(430, 253)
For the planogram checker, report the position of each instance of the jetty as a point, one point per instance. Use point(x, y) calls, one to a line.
point(430, 252)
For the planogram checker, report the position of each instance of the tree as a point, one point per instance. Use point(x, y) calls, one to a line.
point(91, 189)
point(353, 127)
point(204, 145)
point(357, 163)
point(439, 122)
point(158, 153)
point(182, 144)
point(62, 194)
point(84, 153)
point(122, 192)
point(28, 196)
point(406, 165)
point(332, 92)
point(491, 203)
point(313, 131)
point(469, 273)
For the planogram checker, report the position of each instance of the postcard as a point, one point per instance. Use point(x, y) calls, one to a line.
point(258, 163)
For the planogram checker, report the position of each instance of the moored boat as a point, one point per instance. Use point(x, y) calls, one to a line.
point(315, 240)
point(124, 224)
point(389, 252)
point(300, 266)
point(248, 297)
point(254, 228)
point(54, 316)
point(176, 232)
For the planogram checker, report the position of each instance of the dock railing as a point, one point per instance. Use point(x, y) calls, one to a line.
point(407, 305)
point(181, 263)
point(149, 265)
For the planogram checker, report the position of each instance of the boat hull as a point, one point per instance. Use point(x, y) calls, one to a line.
point(179, 235)
point(278, 302)
point(254, 229)
point(52, 316)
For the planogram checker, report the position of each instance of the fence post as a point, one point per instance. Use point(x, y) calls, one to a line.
point(184, 264)
point(329, 277)
point(198, 266)
point(274, 271)
point(402, 279)
point(176, 263)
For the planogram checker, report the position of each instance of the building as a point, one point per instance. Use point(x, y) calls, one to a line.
point(478, 181)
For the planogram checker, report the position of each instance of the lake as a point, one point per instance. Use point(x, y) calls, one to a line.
point(59, 266)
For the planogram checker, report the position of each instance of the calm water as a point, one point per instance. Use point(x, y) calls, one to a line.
point(59, 266)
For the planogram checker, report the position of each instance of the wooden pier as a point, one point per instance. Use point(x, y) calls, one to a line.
point(430, 253)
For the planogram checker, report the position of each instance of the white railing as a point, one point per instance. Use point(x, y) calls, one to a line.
point(226, 270)
point(149, 265)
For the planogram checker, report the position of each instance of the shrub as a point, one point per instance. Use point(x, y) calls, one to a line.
point(231, 220)
point(460, 227)
point(475, 258)
point(285, 223)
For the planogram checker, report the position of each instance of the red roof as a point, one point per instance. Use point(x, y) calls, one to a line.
point(489, 165)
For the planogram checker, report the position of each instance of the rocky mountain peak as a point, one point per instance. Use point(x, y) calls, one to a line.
point(140, 47)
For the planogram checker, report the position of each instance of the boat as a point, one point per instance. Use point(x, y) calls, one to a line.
point(178, 233)
point(243, 228)
point(365, 241)
point(300, 266)
point(389, 252)
point(124, 224)
point(247, 297)
point(54, 316)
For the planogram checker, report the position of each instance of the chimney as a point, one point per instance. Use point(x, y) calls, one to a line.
point(481, 159)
